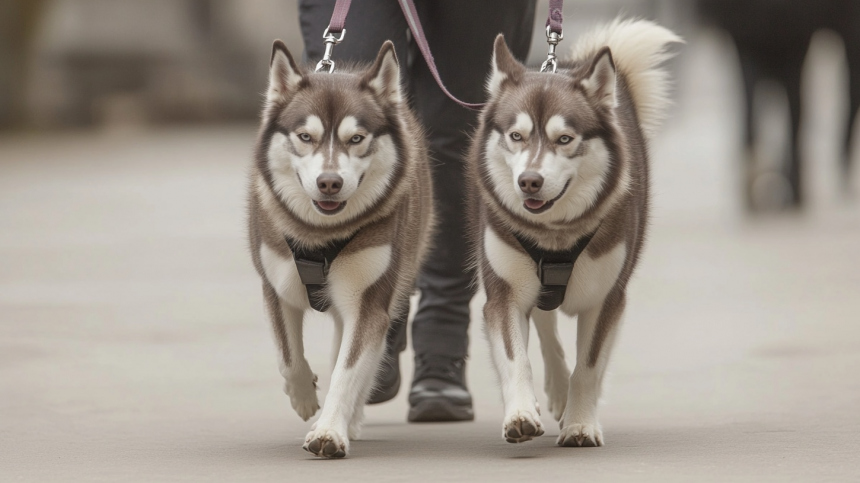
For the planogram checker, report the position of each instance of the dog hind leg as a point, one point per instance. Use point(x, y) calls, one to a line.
point(556, 373)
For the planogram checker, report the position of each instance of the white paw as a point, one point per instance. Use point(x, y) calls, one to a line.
point(555, 387)
point(581, 435)
point(302, 390)
point(522, 426)
point(326, 443)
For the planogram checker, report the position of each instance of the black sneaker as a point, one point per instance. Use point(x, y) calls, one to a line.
point(439, 391)
point(387, 381)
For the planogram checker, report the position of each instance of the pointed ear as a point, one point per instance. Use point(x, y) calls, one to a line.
point(599, 83)
point(504, 67)
point(284, 77)
point(383, 77)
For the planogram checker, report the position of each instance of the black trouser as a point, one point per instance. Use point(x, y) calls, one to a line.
point(460, 34)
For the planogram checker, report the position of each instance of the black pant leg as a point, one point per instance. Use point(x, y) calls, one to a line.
point(461, 35)
point(369, 23)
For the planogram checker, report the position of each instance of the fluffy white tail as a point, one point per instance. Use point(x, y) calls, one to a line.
point(638, 49)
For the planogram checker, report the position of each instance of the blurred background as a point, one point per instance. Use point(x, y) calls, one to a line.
point(133, 342)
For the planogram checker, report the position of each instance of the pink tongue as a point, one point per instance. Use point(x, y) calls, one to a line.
point(535, 204)
point(329, 205)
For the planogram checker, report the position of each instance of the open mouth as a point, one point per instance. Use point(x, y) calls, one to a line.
point(329, 207)
point(535, 206)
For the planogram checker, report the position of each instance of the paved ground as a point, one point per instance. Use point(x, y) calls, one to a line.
point(133, 345)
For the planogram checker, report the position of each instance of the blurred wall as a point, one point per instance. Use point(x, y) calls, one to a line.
point(92, 62)
point(108, 61)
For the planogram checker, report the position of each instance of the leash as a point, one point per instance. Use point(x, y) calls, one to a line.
point(554, 34)
point(336, 31)
point(411, 14)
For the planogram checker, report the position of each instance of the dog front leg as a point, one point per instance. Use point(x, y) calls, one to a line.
point(596, 330)
point(300, 383)
point(354, 371)
point(508, 332)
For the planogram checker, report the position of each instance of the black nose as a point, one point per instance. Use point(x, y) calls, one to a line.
point(329, 183)
point(530, 182)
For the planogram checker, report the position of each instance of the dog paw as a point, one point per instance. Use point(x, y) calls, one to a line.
point(303, 395)
point(522, 426)
point(326, 443)
point(587, 435)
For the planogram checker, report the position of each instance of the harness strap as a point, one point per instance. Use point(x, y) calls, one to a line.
point(313, 266)
point(553, 269)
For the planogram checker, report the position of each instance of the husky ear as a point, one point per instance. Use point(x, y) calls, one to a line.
point(599, 83)
point(284, 77)
point(504, 67)
point(383, 77)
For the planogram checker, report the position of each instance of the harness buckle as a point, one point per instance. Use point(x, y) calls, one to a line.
point(552, 38)
point(312, 273)
point(330, 41)
point(554, 273)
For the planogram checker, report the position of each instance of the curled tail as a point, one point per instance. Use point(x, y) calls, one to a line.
point(639, 47)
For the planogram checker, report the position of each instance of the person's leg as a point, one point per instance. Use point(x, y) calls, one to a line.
point(368, 24)
point(849, 28)
point(750, 74)
point(460, 35)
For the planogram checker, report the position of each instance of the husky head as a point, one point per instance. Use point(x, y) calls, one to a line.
point(329, 146)
point(548, 144)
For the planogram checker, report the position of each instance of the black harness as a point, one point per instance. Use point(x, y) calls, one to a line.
point(553, 269)
point(313, 268)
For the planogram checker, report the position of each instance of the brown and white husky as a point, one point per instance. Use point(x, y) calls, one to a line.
point(340, 217)
point(559, 167)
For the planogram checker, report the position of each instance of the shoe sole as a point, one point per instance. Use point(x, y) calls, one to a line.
point(439, 410)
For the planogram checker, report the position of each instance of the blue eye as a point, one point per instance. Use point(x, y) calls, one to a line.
point(357, 139)
point(565, 140)
point(305, 137)
point(516, 136)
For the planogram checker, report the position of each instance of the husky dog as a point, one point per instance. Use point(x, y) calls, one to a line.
point(340, 164)
point(559, 166)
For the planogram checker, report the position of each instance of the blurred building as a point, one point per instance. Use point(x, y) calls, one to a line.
point(90, 62)
point(80, 62)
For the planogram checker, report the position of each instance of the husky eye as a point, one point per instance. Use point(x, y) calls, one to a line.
point(356, 139)
point(305, 137)
point(516, 136)
point(565, 140)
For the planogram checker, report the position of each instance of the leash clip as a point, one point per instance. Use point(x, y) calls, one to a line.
point(330, 41)
point(552, 38)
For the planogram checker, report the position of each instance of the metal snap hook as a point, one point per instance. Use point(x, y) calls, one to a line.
point(330, 41)
point(552, 38)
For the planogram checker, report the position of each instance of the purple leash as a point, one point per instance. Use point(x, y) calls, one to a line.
point(336, 30)
point(554, 34)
